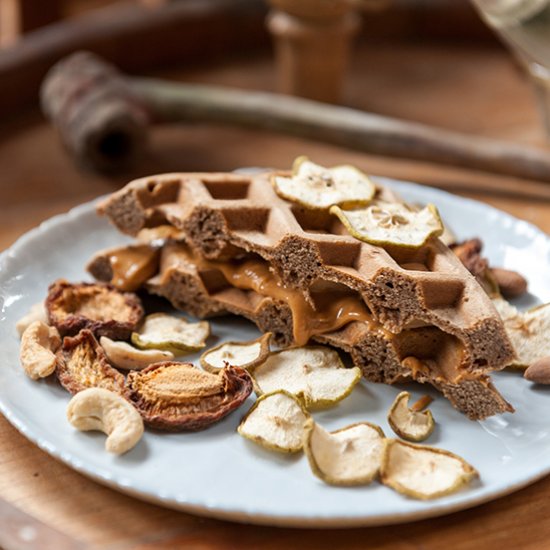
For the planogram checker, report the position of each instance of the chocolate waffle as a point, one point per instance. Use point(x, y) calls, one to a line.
point(401, 313)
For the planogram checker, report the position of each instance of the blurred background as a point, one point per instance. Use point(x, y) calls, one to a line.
point(434, 62)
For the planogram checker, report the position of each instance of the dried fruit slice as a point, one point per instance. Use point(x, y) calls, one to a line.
point(391, 224)
point(171, 333)
point(178, 396)
point(276, 421)
point(246, 355)
point(407, 423)
point(528, 331)
point(124, 356)
point(314, 373)
point(350, 456)
point(98, 307)
point(423, 472)
point(82, 363)
point(316, 187)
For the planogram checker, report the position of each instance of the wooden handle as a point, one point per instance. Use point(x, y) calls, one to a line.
point(370, 133)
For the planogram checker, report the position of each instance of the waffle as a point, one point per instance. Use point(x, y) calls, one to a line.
point(424, 316)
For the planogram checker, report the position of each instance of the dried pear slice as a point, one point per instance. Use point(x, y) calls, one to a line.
point(124, 356)
point(171, 333)
point(246, 355)
point(423, 472)
point(528, 331)
point(349, 456)
point(177, 396)
point(82, 363)
point(391, 224)
point(98, 307)
point(316, 187)
point(407, 423)
point(276, 422)
point(314, 373)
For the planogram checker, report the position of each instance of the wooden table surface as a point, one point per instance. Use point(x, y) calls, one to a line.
point(463, 88)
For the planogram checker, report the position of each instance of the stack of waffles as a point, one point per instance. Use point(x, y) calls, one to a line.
point(216, 243)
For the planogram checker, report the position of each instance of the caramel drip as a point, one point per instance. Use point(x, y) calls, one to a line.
point(331, 314)
point(132, 266)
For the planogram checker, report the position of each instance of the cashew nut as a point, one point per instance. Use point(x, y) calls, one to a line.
point(38, 344)
point(125, 356)
point(108, 412)
point(36, 313)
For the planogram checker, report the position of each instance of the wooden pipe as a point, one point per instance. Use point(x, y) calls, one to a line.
point(146, 101)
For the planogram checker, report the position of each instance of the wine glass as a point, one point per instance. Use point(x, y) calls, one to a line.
point(525, 26)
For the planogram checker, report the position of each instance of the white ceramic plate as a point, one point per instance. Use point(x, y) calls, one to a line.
point(218, 473)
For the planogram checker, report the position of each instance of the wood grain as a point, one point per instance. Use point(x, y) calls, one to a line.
point(472, 90)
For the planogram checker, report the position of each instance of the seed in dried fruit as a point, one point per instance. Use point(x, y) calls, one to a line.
point(349, 456)
point(276, 422)
point(391, 224)
point(178, 396)
point(171, 333)
point(82, 363)
point(38, 344)
point(528, 331)
point(124, 356)
point(539, 371)
point(314, 373)
point(408, 424)
point(246, 355)
point(423, 472)
point(316, 187)
point(97, 307)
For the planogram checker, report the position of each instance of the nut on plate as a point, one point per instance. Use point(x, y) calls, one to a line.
point(349, 456)
point(98, 307)
point(314, 373)
point(82, 364)
point(539, 371)
point(408, 423)
point(124, 356)
point(276, 422)
point(423, 472)
point(510, 283)
point(177, 396)
point(246, 355)
point(37, 351)
point(171, 333)
point(36, 313)
point(108, 412)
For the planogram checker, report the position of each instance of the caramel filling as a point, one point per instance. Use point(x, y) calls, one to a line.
point(132, 266)
point(332, 311)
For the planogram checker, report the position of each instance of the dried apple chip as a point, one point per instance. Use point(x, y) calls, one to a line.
point(528, 331)
point(36, 313)
point(171, 333)
point(124, 356)
point(349, 456)
point(423, 472)
point(316, 187)
point(98, 307)
point(276, 422)
point(408, 423)
point(246, 355)
point(177, 396)
point(391, 224)
point(314, 373)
